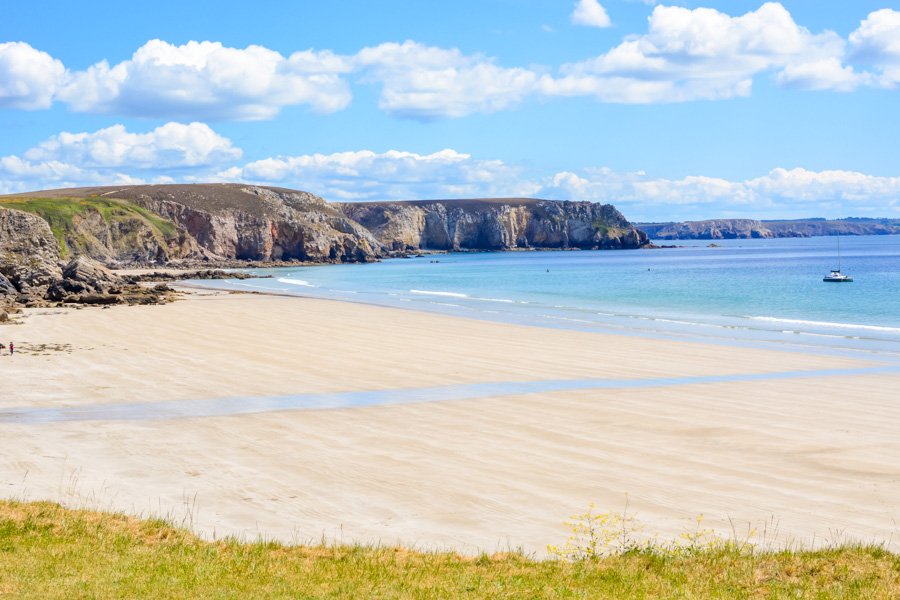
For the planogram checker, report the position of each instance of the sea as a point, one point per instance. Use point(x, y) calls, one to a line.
point(757, 292)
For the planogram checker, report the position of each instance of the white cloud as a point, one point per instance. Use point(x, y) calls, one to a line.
point(20, 175)
point(28, 77)
point(112, 156)
point(170, 145)
point(391, 175)
point(685, 55)
point(877, 42)
point(206, 80)
point(590, 13)
point(780, 193)
point(706, 54)
point(425, 83)
point(115, 156)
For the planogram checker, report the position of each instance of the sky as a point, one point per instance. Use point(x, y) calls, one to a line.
point(670, 111)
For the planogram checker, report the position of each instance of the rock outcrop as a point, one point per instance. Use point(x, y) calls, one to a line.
point(29, 255)
point(228, 223)
point(495, 224)
point(233, 221)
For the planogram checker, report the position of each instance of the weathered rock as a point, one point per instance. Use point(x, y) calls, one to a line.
point(6, 288)
point(497, 224)
point(97, 299)
point(91, 273)
point(3, 316)
point(29, 254)
point(61, 290)
point(234, 221)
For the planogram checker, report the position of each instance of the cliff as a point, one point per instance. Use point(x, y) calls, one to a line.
point(714, 229)
point(233, 222)
point(748, 228)
point(495, 224)
point(213, 222)
point(29, 254)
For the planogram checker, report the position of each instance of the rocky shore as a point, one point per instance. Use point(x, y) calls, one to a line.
point(57, 246)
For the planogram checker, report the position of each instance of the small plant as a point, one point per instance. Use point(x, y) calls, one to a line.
point(596, 535)
point(613, 533)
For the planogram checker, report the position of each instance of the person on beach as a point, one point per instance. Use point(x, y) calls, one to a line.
point(11, 348)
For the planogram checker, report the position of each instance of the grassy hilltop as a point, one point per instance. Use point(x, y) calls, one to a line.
point(48, 552)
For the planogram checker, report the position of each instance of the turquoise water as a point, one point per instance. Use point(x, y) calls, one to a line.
point(757, 291)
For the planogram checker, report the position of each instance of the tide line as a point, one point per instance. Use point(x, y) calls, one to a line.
point(214, 407)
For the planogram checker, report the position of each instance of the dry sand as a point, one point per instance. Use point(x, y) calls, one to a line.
point(803, 458)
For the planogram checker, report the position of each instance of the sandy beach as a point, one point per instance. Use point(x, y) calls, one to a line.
point(800, 444)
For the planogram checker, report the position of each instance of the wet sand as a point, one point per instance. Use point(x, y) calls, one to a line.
point(805, 458)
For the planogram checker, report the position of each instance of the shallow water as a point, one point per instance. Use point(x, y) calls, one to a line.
point(746, 291)
point(260, 404)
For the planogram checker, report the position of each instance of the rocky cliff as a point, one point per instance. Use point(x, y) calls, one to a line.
point(714, 229)
point(216, 222)
point(495, 224)
point(29, 254)
point(748, 228)
point(225, 222)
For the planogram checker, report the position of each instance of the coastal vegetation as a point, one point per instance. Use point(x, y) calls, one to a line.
point(81, 225)
point(48, 551)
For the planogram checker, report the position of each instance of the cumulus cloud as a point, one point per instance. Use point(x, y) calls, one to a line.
point(171, 145)
point(426, 82)
point(396, 175)
point(706, 54)
point(113, 156)
point(391, 175)
point(590, 13)
point(780, 193)
point(28, 78)
point(206, 80)
point(877, 42)
point(685, 55)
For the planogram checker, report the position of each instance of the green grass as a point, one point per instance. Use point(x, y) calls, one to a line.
point(47, 551)
point(60, 214)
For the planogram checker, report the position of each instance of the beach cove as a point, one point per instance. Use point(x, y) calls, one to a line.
point(799, 444)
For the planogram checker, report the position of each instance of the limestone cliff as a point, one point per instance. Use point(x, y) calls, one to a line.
point(495, 224)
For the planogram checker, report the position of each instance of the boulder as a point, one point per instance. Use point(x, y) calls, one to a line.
point(98, 299)
point(62, 290)
point(6, 287)
point(91, 273)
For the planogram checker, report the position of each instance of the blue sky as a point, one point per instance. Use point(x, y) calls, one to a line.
point(674, 111)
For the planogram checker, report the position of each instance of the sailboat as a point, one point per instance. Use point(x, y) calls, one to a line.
point(835, 276)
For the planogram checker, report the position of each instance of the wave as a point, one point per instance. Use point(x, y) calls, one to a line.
point(452, 294)
point(826, 324)
point(296, 282)
point(458, 295)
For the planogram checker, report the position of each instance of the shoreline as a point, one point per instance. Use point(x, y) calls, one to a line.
point(474, 474)
point(755, 338)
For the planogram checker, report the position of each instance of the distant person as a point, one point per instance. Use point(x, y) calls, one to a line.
point(11, 348)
